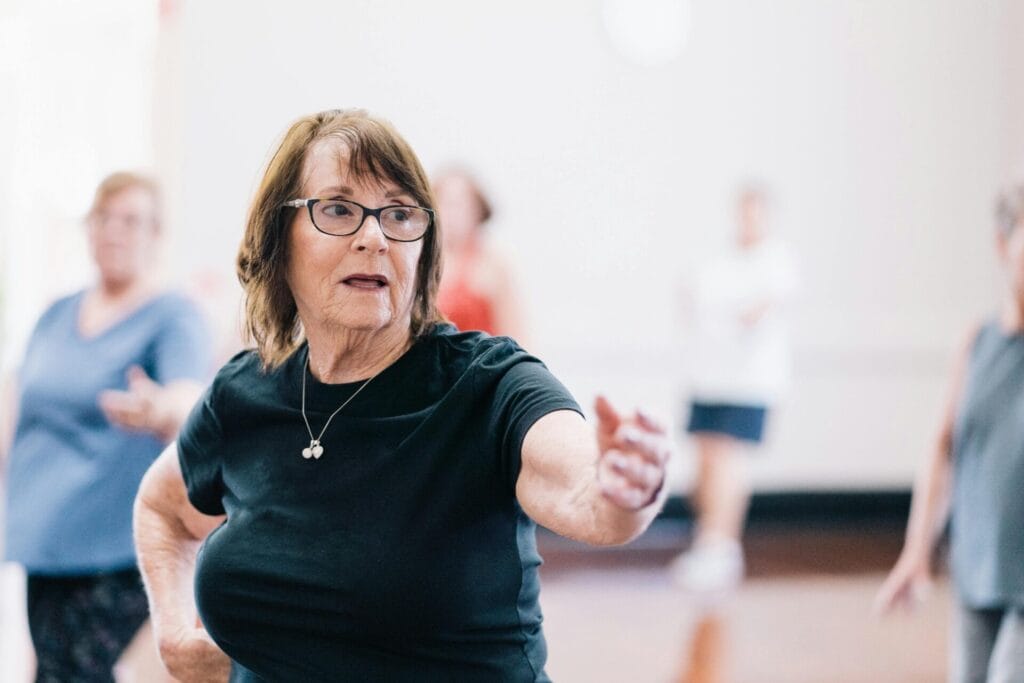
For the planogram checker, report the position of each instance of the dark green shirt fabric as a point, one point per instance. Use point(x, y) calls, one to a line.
point(401, 554)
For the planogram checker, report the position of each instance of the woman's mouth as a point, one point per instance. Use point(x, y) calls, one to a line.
point(366, 281)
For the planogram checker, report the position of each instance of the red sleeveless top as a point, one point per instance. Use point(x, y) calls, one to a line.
point(464, 306)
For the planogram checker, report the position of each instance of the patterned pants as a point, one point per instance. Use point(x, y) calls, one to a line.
point(80, 625)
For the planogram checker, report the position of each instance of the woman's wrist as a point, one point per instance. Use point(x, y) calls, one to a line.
point(916, 553)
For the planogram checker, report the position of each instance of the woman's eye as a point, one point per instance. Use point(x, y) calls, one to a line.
point(400, 215)
point(336, 210)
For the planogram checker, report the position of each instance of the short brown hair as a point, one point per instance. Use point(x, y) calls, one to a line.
point(122, 180)
point(1010, 209)
point(376, 152)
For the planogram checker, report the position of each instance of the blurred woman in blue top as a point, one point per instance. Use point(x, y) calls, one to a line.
point(974, 477)
point(109, 375)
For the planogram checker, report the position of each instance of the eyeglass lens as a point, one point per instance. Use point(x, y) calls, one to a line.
point(340, 217)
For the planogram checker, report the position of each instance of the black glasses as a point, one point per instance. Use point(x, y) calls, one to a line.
point(341, 217)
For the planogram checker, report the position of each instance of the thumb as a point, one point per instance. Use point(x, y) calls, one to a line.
point(138, 379)
point(607, 417)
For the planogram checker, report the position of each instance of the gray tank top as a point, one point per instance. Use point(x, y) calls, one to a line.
point(987, 544)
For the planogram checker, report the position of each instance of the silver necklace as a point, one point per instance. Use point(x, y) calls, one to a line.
point(315, 449)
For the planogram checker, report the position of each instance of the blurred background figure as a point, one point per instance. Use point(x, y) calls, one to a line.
point(976, 470)
point(477, 288)
point(109, 375)
point(741, 366)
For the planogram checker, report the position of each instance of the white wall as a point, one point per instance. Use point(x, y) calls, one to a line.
point(76, 91)
point(884, 129)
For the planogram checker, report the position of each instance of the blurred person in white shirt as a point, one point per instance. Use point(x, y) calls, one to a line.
point(740, 361)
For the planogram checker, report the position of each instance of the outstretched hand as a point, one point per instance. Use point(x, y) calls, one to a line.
point(907, 586)
point(633, 453)
point(138, 409)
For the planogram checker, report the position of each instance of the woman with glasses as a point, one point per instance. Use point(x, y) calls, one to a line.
point(975, 473)
point(477, 291)
point(365, 483)
point(109, 375)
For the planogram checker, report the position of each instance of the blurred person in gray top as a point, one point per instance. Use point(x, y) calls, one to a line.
point(976, 472)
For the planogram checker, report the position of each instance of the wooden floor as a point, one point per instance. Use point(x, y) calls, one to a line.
point(802, 616)
point(631, 625)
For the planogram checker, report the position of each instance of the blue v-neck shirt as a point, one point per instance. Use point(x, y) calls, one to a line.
point(73, 475)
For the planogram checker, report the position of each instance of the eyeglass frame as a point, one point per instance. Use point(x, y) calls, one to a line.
point(310, 202)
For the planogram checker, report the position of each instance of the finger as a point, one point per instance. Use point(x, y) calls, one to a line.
point(114, 400)
point(652, 447)
point(120, 401)
point(608, 418)
point(894, 595)
point(637, 471)
point(138, 379)
point(624, 496)
point(645, 420)
point(121, 409)
point(125, 420)
point(884, 601)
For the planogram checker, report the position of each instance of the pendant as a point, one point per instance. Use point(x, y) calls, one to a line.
point(314, 450)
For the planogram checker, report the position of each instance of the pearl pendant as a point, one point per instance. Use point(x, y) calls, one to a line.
point(314, 450)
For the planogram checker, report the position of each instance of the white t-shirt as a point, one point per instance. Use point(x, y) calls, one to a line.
point(734, 361)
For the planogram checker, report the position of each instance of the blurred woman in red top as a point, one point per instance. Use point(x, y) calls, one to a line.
point(477, 290)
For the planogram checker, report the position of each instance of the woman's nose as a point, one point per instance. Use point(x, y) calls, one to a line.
point(370, 237)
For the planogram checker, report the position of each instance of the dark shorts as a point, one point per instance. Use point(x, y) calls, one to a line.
point(744, 422)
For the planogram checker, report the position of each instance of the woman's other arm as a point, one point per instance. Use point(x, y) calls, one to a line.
point(168, 531)
point(910, 579)
point(600, 485)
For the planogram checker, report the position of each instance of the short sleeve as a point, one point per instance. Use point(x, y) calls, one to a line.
point(525, 393)
point(199, 448)
point(182, 349)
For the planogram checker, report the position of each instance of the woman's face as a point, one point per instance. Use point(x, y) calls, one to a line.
point(1011, 249)
point(751, 221)
point(457, 208)
point(122, 235)
point(360, 282)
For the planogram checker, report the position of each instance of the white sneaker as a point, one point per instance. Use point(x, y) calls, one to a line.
point(710, 567)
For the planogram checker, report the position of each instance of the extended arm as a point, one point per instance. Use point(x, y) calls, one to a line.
point(601, 486)
point(151, 407)
point(910, 578)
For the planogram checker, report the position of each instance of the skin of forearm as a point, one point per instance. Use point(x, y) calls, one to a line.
point(930, 505)
point(166, 552)
point(579, 510)
point(613, 525)
point(168, 531)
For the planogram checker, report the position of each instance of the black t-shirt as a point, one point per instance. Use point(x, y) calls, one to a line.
point(401, 554)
